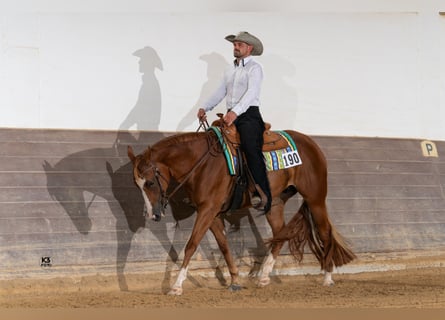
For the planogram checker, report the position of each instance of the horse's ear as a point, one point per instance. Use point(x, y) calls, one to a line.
point(47, 166)
point(109, 169)
point(130, 153)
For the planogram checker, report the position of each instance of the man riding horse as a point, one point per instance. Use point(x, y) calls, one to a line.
point(241, 87)
point(202, 159)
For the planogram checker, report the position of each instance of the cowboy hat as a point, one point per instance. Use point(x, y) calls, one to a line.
point(248, 38)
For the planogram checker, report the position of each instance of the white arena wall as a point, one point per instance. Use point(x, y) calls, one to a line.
point(81, 80)
point(348, 68)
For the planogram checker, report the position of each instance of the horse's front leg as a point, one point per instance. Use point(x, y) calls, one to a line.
point(203, 222)
point(217, 229)
point(276, 222)
point(268, 264)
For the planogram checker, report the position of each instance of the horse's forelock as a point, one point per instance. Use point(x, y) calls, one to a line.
point(141, 164)
point(143, 167)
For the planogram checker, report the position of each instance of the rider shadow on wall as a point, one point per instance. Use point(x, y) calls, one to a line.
point(216, 64)
point(146, 113)
point(278, 76)
point(97, 180)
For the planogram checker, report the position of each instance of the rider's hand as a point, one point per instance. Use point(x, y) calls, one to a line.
point(202, 114)
point(229, 117)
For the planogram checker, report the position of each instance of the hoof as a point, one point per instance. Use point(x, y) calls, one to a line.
point(234, 288)
point(175, 292)
point(263, 282)
point(329, 283)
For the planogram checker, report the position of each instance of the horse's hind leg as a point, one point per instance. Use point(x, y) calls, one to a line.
point(276, 222)
point(217, 229)
point(324, 230)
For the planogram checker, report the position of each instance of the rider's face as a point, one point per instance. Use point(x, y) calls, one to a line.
point(241, 49)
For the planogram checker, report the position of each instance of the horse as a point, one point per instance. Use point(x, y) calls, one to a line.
point(196, 161)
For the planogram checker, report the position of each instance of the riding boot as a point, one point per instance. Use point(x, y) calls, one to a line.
point(250, 127)
point(267, 198)
point(259, 199)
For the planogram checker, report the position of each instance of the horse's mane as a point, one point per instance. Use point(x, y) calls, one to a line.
point(176, 139)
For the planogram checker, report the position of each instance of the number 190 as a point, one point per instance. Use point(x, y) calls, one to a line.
point(291, 159)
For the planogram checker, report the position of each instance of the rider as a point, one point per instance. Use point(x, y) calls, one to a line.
point(241, 88)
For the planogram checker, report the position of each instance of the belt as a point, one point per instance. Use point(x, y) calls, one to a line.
point(230, 109)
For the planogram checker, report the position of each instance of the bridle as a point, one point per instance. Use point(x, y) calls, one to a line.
point(164, 196)
point(163, 200)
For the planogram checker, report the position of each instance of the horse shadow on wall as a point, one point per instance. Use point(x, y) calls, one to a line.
point(90, 183)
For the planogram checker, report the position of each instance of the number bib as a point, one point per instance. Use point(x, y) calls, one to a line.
point(291, 159)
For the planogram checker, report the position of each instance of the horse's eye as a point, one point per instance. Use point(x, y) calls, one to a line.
point(148, 184)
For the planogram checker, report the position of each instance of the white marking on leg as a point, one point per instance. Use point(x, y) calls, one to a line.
point(141, 182)
point(327, 281)
point(266, 269)
point(176, 290)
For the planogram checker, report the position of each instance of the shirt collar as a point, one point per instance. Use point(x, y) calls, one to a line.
point(243, 62)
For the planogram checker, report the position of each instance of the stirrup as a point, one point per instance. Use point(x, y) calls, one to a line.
point(255, 200)
point(258, 199)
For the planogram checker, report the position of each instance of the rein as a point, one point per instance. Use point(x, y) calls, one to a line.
point(166, 197)
point(203, 124)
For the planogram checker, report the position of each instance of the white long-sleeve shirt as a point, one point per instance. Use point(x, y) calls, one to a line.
point(241, 87)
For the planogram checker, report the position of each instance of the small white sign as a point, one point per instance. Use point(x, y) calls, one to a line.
point(429, 149)
point(291, 159)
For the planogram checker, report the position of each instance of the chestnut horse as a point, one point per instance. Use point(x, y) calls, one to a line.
point(196, 161)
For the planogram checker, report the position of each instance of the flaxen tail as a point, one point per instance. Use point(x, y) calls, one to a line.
point(301, 231)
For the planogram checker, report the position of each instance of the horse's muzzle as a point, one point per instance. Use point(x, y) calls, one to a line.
point(158, 212)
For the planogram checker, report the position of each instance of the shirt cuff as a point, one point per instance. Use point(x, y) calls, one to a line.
point(236, 110)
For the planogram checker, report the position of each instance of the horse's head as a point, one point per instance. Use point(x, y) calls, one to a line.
point(70, 196)
point(153, 180)
point(129, 200)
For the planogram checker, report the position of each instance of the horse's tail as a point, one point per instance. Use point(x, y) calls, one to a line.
point(301, 231)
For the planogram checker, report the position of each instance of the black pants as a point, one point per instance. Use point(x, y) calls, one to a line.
point(250, 126)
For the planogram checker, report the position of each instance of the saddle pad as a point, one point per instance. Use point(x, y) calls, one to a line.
point(283, 158)
point(274, 160)
point(229, 156)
